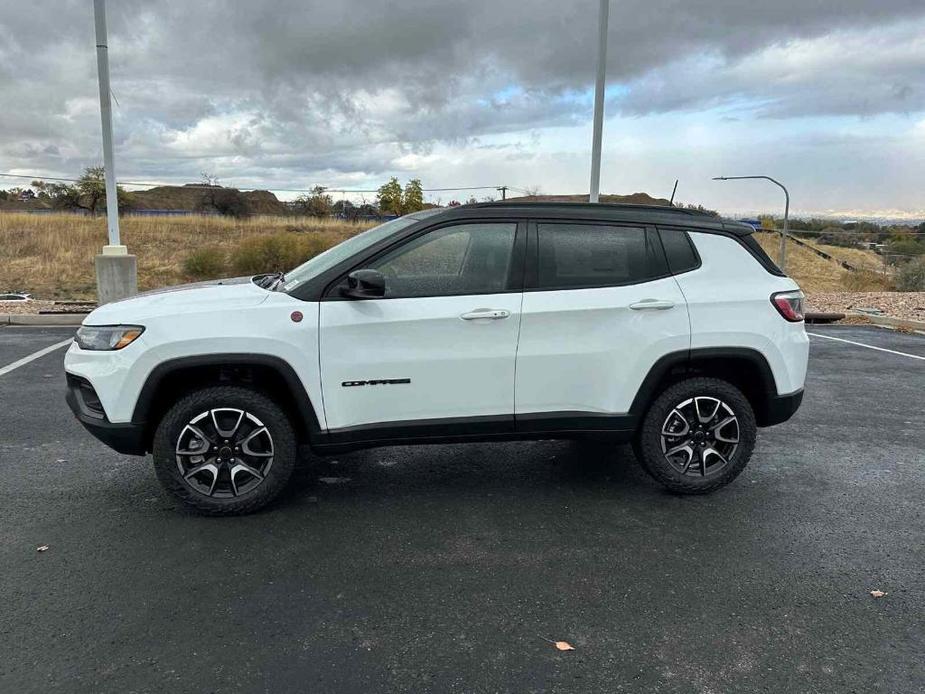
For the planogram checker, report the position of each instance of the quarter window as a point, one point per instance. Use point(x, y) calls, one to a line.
point(459, 259)
point(573, 256)
point(679, 249)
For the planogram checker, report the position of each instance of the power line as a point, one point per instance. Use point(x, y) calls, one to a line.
point(334, 189)
point(194, 186)
point(42, 178)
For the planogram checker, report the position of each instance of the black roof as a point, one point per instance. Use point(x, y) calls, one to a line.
point(615, 212)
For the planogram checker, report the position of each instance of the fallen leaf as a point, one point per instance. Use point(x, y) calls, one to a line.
point(877, 593)
point(43, 548)
point(564, 646)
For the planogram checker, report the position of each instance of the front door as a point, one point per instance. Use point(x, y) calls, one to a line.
point(436, 355)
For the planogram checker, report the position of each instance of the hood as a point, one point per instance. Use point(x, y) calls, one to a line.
point(224, 294)
point(192, 285)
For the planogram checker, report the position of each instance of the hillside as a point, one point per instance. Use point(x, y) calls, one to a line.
point(262, 202)
point(816, 274)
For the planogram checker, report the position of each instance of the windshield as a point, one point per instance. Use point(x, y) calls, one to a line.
point(336, 254)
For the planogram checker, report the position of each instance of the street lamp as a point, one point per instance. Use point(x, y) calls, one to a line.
point(783, 237)
point(116, 270)
point(603, 18)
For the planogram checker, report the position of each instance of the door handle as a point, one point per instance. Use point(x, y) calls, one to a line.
point(486, 314)
point(656, 304)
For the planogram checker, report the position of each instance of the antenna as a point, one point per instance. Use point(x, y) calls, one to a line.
point(673, 191)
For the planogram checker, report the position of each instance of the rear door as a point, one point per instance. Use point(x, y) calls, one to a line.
point(600, 307)
point(436, 355)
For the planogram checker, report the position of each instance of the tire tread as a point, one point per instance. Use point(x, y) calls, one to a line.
point(647, 444)
point(284, 442)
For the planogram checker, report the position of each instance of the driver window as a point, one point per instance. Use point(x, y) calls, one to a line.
point(459, 259)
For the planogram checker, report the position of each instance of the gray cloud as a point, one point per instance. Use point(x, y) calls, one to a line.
point(294, 89)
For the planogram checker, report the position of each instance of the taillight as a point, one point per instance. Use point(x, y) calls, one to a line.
point(789, 305)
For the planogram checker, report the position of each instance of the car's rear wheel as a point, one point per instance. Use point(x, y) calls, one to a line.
point(224, 450)
point(697, 436)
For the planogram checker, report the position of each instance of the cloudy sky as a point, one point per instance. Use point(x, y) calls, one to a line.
point(827, 95)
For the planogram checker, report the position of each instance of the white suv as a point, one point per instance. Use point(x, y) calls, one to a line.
point(655, 325)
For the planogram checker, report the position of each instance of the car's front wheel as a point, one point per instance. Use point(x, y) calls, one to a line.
point(697, 436)
point(224, 450)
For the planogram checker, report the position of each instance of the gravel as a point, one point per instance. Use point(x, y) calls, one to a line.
point(38, 306)
point(905, 305)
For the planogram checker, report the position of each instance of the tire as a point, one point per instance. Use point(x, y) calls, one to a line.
point(710, 452)
point(225, 479)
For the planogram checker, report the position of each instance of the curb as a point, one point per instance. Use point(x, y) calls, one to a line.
point(43, 319)
point(889, 322)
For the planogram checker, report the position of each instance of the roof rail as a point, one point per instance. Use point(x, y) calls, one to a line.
point(590, 205)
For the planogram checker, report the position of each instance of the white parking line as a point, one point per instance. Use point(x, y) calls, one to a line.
point(35, 355)
point(861, 344)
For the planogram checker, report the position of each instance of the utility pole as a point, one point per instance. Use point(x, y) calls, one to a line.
point(603, 18)
point(116, 270)
point(783, 237)
point(503, 190)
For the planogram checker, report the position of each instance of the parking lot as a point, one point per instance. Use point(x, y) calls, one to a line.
point(448, 568)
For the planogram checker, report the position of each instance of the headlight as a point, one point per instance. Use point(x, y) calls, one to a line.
point(107, 337)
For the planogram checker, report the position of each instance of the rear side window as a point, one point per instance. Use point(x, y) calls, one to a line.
point(574, 256)
point(680, 251)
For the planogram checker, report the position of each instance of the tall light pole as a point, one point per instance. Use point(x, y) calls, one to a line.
point(603, 19)
point(116, 271)
point(783, 236)
point(102, 67)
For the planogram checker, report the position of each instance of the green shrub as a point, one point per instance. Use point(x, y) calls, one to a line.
point(280, 252)
point(206, 263)
point(900, 251)
point(911, 276)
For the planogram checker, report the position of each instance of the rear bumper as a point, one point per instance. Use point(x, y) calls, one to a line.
point(781, 408)
point(128, 439)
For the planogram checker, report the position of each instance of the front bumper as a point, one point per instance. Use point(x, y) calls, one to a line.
point(128, 439)
point(781, 408)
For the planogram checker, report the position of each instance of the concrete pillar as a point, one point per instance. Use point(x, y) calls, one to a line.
point(116, 275)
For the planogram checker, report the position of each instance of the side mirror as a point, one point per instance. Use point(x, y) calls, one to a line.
point(364, 284)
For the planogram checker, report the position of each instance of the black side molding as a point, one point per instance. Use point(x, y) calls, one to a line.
point(575, 423)
point(525, 427)
point(418, 431)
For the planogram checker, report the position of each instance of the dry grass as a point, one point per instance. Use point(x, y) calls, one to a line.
point(815, 274)
point(858, 257)
point(812, 273)
point(51, 256)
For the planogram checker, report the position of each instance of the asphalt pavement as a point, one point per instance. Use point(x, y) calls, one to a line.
point(451, 568)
